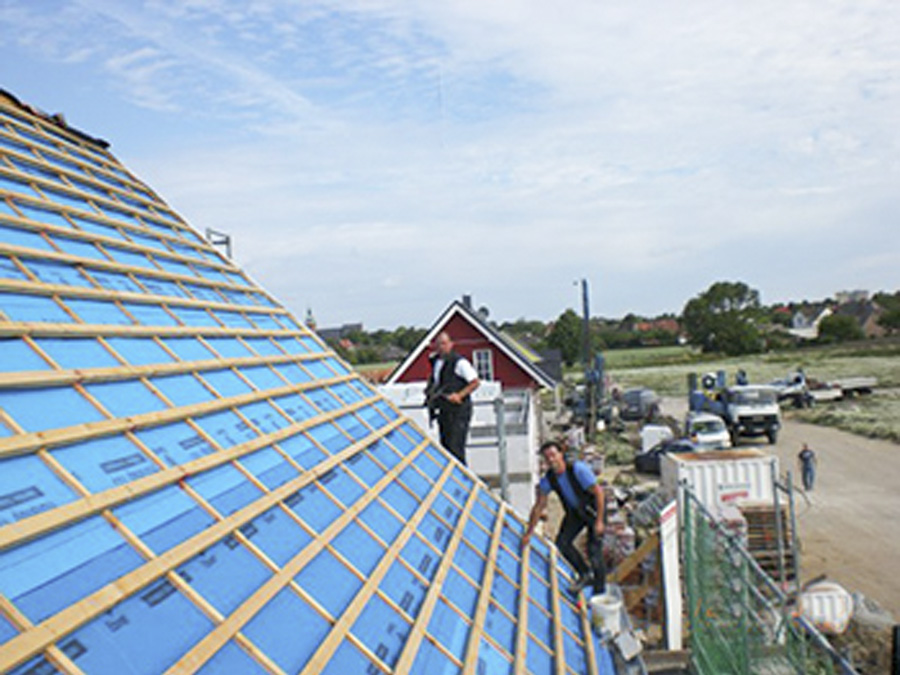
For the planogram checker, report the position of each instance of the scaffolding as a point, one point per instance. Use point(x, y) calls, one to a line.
point(740, 620)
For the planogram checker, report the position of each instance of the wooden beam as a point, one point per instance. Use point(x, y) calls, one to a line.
point(224, 631)
point(484, 597)
point(20, 328)
point(36, 639)
point(627, 566)
point(588, 636)
point(559, 656)
point(77, 193)
point(55, 378)
point(26, 223)
point(414, 639)
point(48, 521)
point(521, 654)
point(29, 442)
point(66, 291)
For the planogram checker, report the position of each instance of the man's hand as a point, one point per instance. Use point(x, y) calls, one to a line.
point(454, 398)
point(525, 539)
point(599, 527)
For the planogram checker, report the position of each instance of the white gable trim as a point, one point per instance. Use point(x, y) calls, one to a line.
point(458, 308)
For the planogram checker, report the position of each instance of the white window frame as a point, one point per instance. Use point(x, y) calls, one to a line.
point(483, 361)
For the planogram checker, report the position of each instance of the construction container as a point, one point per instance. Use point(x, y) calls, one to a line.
point(828, 606)
point(723, 477)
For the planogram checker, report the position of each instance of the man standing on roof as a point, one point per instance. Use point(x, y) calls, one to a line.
point(582, 497)
point(453, 379)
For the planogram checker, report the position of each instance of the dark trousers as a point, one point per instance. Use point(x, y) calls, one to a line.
point(572, 524)
point(809, 476)
point(454, 425)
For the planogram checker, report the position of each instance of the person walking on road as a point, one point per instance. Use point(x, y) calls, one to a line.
point(583, 500)
point(807, 460)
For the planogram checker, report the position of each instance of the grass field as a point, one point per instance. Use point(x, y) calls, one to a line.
point(665, 370)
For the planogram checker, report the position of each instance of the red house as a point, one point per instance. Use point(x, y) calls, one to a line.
point(495, 358)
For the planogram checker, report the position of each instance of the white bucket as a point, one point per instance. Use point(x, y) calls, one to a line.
point(606, 614)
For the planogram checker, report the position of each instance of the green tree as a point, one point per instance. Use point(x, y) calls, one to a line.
point(566, 336)
point(839, 328)
point(724, 319)
point(890, 318)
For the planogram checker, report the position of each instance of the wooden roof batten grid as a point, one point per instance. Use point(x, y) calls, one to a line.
point(47, 521)
point(214, 640)
point(26, 223)
point(149, 217)
point(26, 645)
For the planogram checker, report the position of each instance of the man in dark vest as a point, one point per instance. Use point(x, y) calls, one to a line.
point(582, 498)
point(448, 395)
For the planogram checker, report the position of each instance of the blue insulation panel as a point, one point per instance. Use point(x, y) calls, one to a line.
point(170, 510)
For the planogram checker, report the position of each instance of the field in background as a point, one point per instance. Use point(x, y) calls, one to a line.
point(876, 416)
point(666, 369)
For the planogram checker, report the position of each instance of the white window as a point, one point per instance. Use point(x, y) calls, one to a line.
point(484, 364)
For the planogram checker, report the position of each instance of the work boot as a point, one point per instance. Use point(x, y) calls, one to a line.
point(580, 582)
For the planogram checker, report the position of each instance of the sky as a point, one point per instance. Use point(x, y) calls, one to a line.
point(375, 160)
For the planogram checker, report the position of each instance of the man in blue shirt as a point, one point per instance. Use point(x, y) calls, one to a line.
point(582, 498)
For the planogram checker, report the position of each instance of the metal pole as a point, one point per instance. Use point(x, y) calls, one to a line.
point(500, 414)
point(590, 400)
point(795, 545)
point(779, 534)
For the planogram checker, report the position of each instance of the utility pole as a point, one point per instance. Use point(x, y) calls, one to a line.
point(590, 393)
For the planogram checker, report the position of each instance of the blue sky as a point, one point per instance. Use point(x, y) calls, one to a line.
point(375, 160)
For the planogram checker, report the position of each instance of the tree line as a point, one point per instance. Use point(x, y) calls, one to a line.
point(727, 318)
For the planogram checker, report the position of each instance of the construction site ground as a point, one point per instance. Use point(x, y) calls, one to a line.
point(849, 524)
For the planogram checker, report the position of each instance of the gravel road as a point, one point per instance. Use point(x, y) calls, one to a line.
point(849, 525)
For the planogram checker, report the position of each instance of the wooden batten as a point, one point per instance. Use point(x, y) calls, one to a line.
point(484, 597)
point(414, 639)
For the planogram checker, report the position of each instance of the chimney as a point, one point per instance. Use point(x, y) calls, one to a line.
point(467, 301)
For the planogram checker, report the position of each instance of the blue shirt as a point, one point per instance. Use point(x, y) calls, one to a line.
point(583, 474)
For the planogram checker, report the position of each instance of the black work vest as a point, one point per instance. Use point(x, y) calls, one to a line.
point(448, 381)
point(587, 503)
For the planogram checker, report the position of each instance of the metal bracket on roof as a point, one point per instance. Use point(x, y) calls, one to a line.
point(217, 238)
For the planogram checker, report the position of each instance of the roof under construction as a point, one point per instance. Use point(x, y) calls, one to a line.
point(190, 480)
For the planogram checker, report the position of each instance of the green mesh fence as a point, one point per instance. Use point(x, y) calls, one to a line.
point(740, 621)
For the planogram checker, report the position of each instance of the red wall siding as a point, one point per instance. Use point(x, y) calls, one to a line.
point(467, 338)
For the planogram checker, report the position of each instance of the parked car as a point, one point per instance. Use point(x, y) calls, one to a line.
point(638, 404)
point(648, 462)
point(707, 431)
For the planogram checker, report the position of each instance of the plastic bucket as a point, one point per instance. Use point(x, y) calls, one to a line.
point(606, 614)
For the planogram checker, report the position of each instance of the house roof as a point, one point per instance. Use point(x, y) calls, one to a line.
point(522, 358)
point(190, 480)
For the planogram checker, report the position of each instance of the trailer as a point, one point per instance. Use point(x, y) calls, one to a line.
point(802, 391)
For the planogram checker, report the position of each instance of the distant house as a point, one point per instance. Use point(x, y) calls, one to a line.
point(805, 321)
point(341, 332)
point(496, 357)
point(866, 313)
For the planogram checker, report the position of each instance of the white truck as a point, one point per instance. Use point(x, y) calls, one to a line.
point(747, 409)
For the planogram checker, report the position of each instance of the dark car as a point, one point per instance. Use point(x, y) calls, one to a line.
point(648, 462)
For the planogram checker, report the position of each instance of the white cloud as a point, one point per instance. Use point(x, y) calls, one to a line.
point(657, 145)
